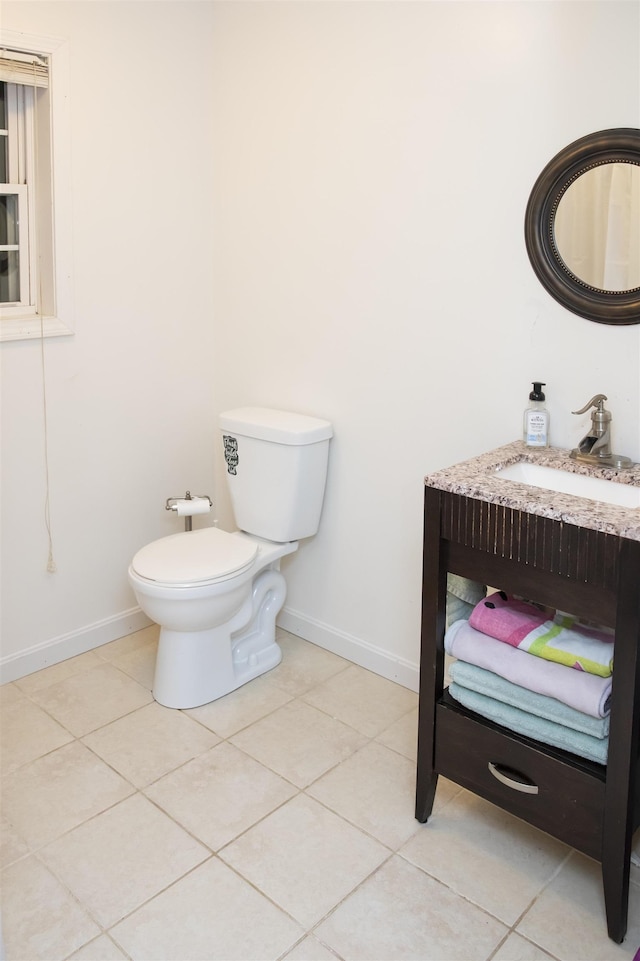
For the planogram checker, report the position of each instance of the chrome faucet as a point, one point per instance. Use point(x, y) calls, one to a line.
point(595, 447)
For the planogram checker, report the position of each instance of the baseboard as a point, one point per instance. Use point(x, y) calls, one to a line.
point(69, 645)
point(352, 648)
point(102, 632)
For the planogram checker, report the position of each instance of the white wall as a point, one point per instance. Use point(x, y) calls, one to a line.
point(130, 396)
point(373, 164)
point(328, 203)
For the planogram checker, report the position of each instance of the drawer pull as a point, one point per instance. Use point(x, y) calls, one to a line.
point(513, 780)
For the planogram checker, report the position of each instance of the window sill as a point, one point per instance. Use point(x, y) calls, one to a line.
point(31, 328)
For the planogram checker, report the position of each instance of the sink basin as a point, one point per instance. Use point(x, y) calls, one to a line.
point(578, 485)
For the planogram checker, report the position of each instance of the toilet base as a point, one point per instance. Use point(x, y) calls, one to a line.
point(196, 667)
point(178, 688)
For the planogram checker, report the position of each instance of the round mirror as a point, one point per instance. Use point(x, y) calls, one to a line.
point(582, 227)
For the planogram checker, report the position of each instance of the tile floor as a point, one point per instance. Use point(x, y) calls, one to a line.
point(275, 823)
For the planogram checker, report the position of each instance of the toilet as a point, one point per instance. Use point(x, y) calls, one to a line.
point(215, 594)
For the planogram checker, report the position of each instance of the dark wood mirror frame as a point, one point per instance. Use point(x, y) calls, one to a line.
point(619, 145)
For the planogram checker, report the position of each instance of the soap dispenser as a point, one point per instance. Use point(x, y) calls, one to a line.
point(536, 419)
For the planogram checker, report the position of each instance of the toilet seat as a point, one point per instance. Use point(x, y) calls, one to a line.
point(195, 558)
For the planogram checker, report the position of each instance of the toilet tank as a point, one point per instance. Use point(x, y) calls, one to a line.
point(276, 468)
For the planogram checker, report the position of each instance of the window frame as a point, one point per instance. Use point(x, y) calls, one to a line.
point(50, 225)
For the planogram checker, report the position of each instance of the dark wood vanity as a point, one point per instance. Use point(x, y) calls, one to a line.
point(564, 552)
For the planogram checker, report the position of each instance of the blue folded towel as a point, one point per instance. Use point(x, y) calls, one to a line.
point(486, 682)
point(593, 748)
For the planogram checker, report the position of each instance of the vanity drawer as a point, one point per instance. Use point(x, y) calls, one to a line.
point(554, 795)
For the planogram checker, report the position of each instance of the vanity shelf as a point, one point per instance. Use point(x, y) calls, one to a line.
point(538, 546)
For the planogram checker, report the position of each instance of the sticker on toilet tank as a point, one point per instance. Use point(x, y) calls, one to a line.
point(231, 453)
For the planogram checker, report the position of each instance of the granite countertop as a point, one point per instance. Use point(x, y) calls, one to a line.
point(477, 478)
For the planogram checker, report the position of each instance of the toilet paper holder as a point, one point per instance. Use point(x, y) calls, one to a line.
point(173, 502)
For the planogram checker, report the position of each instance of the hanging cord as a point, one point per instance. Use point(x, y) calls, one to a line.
point(51, 564)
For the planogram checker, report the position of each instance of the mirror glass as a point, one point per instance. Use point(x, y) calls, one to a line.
point(597, 227)
point(582, 226)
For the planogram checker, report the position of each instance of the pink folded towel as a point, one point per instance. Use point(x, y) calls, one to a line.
point(559, 639)
point(505, 618)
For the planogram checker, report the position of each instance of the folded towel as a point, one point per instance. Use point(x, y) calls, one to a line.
point(457, 609)
point(561, 640)
point(581, 648)
point(582, 691)
point(468, 591)
point(506, 618)
point(462, 595)
point(538, 728)
point(486, 682)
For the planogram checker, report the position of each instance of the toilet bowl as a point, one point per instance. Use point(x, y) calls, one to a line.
point(216, 594)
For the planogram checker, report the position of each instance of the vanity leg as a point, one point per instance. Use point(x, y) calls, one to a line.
point(434, 595)
point(426, 775)
point(623, 744)
point(615, 878)
point(425, 795)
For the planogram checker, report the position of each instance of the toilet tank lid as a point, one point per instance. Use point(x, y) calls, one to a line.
point(279, 426)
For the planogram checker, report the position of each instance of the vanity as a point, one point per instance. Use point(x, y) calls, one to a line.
point(563, 550)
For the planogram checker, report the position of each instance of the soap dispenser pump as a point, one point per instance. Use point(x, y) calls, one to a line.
point(536, 419)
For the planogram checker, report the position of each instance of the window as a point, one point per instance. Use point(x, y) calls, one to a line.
point(34, 225)
point(17, 200)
